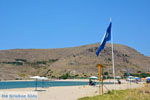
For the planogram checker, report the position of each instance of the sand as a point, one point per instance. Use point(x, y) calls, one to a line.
point(70, 92)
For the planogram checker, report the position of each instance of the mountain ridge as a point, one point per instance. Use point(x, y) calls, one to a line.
point(80, 60)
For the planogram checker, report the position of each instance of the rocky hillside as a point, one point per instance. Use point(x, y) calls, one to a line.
point(79, 61)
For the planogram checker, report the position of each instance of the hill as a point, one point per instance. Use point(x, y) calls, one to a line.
point(78, 61)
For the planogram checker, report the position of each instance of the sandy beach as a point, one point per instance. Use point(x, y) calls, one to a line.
point(70, 92)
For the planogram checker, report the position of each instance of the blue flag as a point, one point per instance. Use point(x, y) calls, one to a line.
point(107, 37)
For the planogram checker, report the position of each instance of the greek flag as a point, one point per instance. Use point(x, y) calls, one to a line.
point(107, 37)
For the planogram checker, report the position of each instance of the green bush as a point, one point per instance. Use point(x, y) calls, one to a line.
point(65, 76)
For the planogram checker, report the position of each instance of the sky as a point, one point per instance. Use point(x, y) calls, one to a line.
point(39, 24)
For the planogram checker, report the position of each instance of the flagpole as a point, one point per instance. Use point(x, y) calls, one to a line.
point(113, 63)
point(107, 37)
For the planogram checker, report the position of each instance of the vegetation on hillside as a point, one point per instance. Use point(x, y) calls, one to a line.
point(139, 74)
point(24, 61)
point(80, 61)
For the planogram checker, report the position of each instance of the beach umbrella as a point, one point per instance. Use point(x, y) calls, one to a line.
point(143, 79)
point(130, 78)
point(93, 77)
point(36, 78)
point(39, 78)
point(137, 78)
point(43, 78)
point(118, 77)
point(147, 78)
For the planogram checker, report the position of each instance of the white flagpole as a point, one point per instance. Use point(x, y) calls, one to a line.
point(113, 64)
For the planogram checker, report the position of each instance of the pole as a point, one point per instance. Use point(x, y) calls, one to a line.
point(42, 83)
point(99, 76)
point(100, 71)
point(99, 88)
point(102, 79)
point(113, 64)
point(36, 85)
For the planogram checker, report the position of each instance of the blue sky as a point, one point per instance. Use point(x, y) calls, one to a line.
point(69, 23)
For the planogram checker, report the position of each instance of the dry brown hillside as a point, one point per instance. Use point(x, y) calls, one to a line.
point(79, 61)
